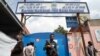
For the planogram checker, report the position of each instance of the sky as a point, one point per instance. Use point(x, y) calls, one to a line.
point(48, 24)
point(94, 8)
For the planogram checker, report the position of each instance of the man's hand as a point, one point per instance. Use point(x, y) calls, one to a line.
point(49, 46)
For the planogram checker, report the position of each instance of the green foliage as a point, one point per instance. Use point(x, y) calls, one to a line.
point(61, 30)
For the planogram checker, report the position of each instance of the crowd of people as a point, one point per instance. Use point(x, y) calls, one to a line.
point(16, 48)
point(50, 48)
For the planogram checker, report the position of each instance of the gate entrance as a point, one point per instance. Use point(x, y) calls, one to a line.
point(39, 40)
point(50, 9)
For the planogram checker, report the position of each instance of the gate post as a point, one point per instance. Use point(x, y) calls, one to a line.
point(81, 32)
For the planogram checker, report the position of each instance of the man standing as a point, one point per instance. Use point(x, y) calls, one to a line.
point(91, 51)
point(53, 46)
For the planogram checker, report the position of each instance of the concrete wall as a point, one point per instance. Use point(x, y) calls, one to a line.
point(87, 38)
point(75, 44)
point(93, 36)
point(71, 44)
point(76, 41)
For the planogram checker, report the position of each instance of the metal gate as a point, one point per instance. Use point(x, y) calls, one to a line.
point(39, 40)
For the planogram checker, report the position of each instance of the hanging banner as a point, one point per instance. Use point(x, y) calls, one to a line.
point(52, 7)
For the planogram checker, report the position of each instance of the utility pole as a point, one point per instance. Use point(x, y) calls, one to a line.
point(81, 31)
point(22, 16)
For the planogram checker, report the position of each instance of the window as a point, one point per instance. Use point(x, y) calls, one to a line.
point(97, 32)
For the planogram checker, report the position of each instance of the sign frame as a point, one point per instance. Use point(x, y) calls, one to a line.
point(88, 12)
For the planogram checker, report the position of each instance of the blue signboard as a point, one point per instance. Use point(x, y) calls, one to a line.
point(71, 21)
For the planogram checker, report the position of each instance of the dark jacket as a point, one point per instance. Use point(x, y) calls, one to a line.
point(91, 51)
point(18, 49)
